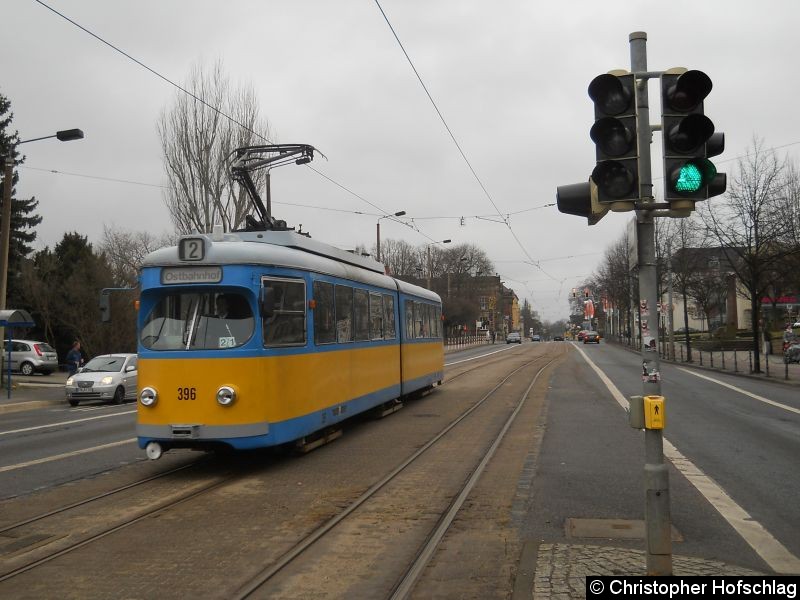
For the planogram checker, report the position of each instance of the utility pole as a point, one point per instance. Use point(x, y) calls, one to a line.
point(657, 497)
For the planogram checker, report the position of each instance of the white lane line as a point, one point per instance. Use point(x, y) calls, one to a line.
point(127, 412)
point(762, 541)
point(60, 423)
point(40, 461)
point(741, 391)
point(477, 357)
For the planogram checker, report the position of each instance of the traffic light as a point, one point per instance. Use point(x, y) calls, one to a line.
point(689, 141)
point(581, 199)
point(615, 135)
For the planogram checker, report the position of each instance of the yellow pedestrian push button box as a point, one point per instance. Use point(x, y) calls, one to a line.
point(654, 417)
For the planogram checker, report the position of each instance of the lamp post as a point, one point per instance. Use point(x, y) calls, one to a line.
point(5, 232)
point(430, 266)
point(399, 213)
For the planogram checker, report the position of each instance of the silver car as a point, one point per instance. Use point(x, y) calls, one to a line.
point(29, 357)
point(110, 377)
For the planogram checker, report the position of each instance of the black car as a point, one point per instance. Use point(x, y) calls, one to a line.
point(558, 338)
point(591, 337)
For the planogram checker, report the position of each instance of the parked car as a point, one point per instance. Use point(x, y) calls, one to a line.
point(513, 338)
point(536, 338)
point(110, 377)
point(591, 337)
point(29, 357)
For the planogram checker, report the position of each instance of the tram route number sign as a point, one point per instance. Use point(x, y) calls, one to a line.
point(191, 249)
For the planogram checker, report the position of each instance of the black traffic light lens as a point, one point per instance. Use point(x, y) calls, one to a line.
point(614, 179)
point(611, 135)
point(690, 133)
point(689, 90)
point(609, 94)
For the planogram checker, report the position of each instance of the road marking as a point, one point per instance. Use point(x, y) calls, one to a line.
point(127, 412)
point(39, 461)
point(762, 541)
point(477, 357)
point(741, 391)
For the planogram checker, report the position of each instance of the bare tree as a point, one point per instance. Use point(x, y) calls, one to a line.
point(197, 136)
point(125, 251)
point(754, 224)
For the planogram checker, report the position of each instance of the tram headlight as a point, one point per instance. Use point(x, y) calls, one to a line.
point(226, 395)
point(148, 396)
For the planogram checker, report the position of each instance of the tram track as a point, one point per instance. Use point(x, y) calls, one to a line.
point(179, 508)
point(405, 583)
point(18, 531)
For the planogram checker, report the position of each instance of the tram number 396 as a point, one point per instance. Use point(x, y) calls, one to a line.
point(187, 393)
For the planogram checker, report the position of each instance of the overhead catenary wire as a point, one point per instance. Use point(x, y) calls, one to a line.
point(198, 99)
point(458, 146)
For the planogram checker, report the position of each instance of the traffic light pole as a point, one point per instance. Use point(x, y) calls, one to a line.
point(657, 501)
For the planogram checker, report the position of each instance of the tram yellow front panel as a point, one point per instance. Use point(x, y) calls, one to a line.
point(273, 389)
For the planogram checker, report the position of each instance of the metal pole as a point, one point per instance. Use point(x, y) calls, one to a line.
point(657, 504)
point(429, 266)
point(5, 232)
point(5, 242)
point(378, 240)
point(669, 299)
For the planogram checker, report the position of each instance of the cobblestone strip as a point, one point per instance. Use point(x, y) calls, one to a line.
point(561, 569)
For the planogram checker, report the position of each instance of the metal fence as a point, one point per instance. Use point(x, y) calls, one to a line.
point(465, 341)
point(738, 361)
point(732, 360)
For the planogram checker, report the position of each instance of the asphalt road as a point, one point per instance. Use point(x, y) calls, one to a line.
point(591, 462)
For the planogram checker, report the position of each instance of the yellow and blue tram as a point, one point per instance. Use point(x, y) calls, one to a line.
point(255, 339)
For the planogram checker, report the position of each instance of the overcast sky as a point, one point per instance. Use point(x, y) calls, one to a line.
point(509, 77)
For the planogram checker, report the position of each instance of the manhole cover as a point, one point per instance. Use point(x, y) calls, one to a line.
point(610, 528)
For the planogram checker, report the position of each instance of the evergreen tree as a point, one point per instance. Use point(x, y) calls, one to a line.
point(23, 217)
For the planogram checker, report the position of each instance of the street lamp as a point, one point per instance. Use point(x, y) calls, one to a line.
point(5, 233)
point(399, 213)
point(430, 266)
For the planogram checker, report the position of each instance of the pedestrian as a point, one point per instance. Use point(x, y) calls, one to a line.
point(767, 342)
point(74, 358)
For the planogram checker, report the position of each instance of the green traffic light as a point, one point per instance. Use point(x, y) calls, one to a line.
point(689, 179)
point(694, 175)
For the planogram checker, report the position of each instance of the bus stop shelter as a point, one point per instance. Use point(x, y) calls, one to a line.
point(11, 319)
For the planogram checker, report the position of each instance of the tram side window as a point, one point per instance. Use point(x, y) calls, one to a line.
point(420, 326)
point(287, 326)
point(324, 325)
point(361, 314)
point(437, 317)
point(376, 316)
point(409, 304)
point(389, 332)
point(344, 313)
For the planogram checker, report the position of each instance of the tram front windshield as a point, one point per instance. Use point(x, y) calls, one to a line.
point(198, 321)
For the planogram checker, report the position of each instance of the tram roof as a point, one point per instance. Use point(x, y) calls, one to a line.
point(285, 249)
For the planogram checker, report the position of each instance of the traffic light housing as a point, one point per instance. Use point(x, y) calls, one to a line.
point(689, 140)
point(581, 199)
point(615, 136)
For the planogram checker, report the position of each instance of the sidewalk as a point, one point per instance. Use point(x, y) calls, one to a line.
point(33, 391)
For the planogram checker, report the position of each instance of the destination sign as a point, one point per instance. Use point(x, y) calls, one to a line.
point(174, 275)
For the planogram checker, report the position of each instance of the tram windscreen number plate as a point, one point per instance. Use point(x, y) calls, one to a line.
point(227, 342)
point(191, 249)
